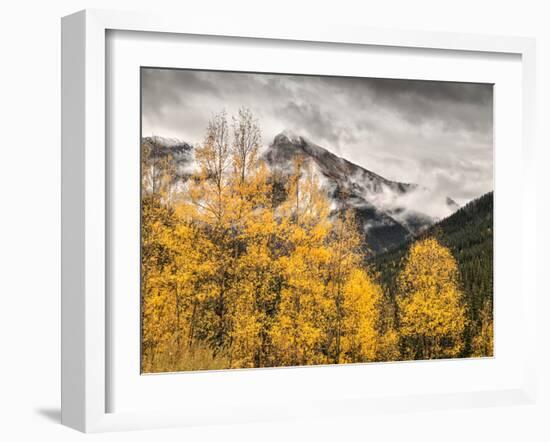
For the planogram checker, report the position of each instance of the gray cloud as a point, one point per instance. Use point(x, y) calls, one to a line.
point(437, 134)
point(454, 105)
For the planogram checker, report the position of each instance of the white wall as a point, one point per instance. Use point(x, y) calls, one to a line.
point(29, 213)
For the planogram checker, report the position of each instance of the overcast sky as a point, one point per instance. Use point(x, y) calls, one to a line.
point(437, 134)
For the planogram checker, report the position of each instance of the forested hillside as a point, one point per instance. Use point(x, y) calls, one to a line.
point(468, 233)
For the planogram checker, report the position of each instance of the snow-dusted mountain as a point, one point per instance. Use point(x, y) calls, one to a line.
point(182, 153)
point(388, 212)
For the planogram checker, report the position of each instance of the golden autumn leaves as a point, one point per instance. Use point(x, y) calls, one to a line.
point(431, 314)
point(243, 266)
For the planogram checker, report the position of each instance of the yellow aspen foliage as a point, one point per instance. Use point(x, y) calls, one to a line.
point(254, 227)
point(431, 310)
point(256, 299)
point(210, 188)
point(158, 324)
point(482, 343)
point(297, 332)
point(170, 299)
point(158, 310)
point(347, 288)
point(388, 340)
point(360, 315)
point(211, 202)
point(354, 332)
point(388, 346)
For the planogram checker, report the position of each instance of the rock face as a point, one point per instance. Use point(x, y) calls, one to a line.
point(388, 212)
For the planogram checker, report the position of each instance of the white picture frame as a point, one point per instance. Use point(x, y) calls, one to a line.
point(85, 202)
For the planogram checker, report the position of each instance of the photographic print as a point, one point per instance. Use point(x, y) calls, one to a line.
point(297, 220)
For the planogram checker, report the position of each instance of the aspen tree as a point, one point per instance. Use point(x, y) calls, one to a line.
point(355, 299)
point(297, 333)
point(432, 315)
point(211, 195)
point(482, 343)
point(254, 229)
point(159, 325)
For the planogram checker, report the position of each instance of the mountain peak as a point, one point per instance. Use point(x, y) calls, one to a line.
point(288, 136)
point(388, 211)
point(166, 142)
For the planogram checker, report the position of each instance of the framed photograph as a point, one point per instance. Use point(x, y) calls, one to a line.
point(253, 212)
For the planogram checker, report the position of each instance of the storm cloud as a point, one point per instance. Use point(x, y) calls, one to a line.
point(436, 134)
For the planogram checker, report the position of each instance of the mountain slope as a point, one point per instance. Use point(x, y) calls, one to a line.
point(382, 206)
